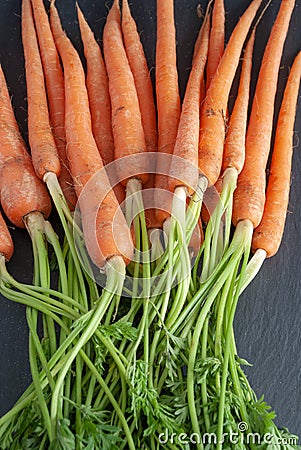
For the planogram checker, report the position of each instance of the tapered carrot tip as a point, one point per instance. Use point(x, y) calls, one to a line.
point(6, 242)
point(22, 192)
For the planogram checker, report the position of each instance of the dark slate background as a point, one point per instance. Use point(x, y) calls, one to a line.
point(268, 318)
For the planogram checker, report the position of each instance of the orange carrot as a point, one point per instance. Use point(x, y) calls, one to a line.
point(6, 242)
point(234, 150)
point(211, 199)
point(43, 149)
point(98, 92)
point(99, 98)
point(140, 71)
point(167, 91)
point(21, 191)
point(212, 128)
point(249, 196)
point(184, 171)
point(217, 40)
point(138, 64)
point(126, 117)
point(105, 230)
point(54, 81)
point(268, 234)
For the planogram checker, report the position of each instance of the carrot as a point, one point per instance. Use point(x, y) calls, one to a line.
point(21, 191)
point(99, 98)
point(98, 91)
point(6, 242)
point(54, 81)
point(105, 230)
point(217, 40)
point(249, 196)
point(212, 128)
point(184, 169)
point(211, 199)
point(126, 117)
point(167, 92)
point(268, 234)
point(138, 64)
point(43, 149)
point(234, 150)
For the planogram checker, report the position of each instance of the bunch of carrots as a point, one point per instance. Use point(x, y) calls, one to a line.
point(167, 216)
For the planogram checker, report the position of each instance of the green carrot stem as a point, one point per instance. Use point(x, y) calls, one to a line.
point(115, 277)
point(35, 375)
point(247, 236)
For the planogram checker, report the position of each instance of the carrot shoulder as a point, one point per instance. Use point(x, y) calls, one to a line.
point(105, 230)
point(43, 149)
point(268, 234)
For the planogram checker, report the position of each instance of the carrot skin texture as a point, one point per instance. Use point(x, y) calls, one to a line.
point(234, 149)
point(85, 161)
point(213, 111)
point(6, 242)
point(16, 171)
point(138, 64)
point(249, 197)
point(18, 176)
point(126, 117)
point(140, 71)
point(184, 171)
point(268, 234)
point(216, 41)
point(54, 80)
point(98, 91)
point(43, 149)
point(167, 92)
point(99, 97)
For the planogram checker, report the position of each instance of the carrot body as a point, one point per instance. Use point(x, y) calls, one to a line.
point(6, 242)
point(54, 80)
point(212, 128)
point(268, 234)
point(98, 92)
point(249, 196)
point(140, 71)
point(43, 149)
point(211, 199)
point(167, 92)
point(234, 150)
point(217, 40)
point(138, 64)
point(20, 190)
point(99, 98)
point(184, 171)
point(126, 117)
point(98, 204)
